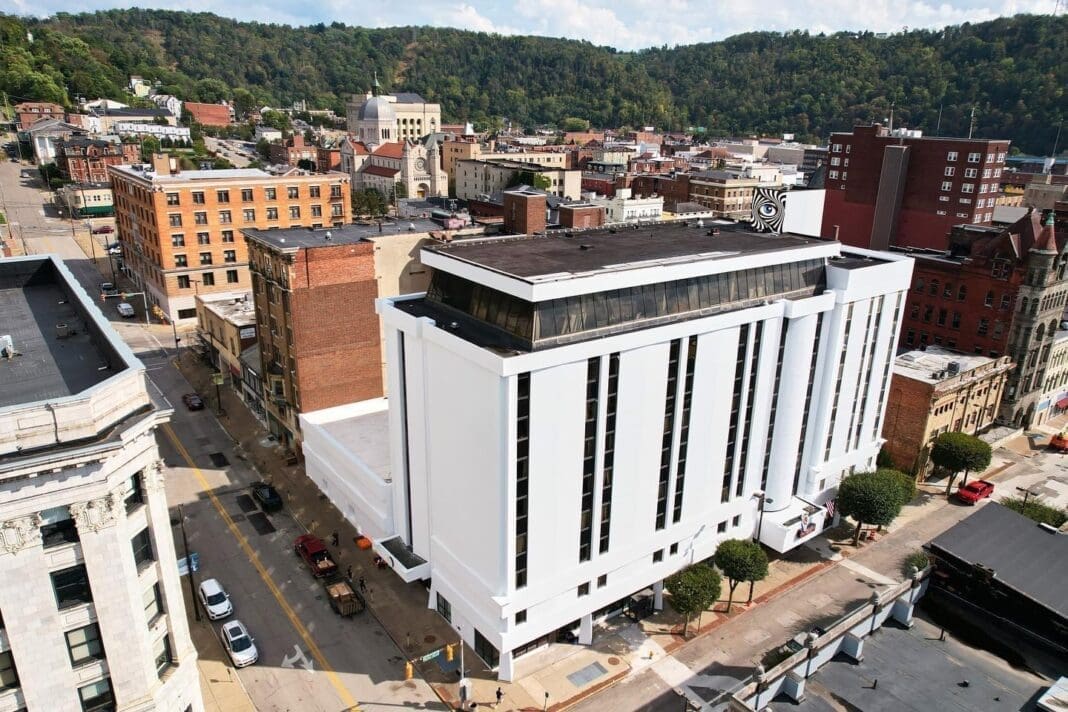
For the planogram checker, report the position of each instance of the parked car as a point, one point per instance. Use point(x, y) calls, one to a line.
point(108, 288)
point(1059, 443)
point(125, 310)
point(239, 644)
point(114, 248)
point(214, 599)
point(267, 496)
point(193, 401)
point(103, 230)
point(975, 491)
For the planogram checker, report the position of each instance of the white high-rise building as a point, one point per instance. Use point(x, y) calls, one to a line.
point(574, 418)
point(91, 610)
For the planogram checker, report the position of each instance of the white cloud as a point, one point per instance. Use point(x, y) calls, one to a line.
point(624, 24)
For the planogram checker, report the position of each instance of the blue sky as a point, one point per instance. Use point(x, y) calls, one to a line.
point(625, 24)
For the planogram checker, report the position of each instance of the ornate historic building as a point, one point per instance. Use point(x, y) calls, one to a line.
point(412, 168)
point(91, 609)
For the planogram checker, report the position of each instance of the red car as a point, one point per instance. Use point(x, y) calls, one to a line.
point(103, 230)
point(974, 491)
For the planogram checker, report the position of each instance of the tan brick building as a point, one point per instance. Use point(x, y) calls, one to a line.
point(725, 194)
point(180, 230)
point(939, 391)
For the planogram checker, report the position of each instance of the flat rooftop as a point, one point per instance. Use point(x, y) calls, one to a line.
point(922, 365)
point(34, 301)
point(302, 237)
point(238, 309)
point(559, 256)
point(916, 673)
point(194, 176)
point(995, 536)
point(362, 428)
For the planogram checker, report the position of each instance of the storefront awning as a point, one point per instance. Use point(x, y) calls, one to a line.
point(1063, 403)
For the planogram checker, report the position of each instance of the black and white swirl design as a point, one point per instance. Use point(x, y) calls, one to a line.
point(769, 209)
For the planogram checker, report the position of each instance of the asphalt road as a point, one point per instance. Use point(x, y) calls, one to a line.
point(310, 659)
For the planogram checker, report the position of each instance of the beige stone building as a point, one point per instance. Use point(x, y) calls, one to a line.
point(1054, 401)
point(226, 326)
point(939, 391)
point(485, 177)
point(725, 194)
point(92, 615)
point(404, 115)
point(454, 150)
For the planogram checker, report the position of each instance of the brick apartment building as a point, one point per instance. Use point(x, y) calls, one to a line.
point(897, 188)
point(997, 292)
point(938, 391)
point(209, 114)
point(179, 229)
point(29, 112)
point(86, 160)
point(673, 189)
point(293, 150)
point(725, 194)
point(314, 293)
point(328, 159)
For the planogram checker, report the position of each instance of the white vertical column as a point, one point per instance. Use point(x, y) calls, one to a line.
point(789, 411)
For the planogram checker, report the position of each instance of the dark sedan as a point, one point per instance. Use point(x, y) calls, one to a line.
point(193, 401)
point(267, 497)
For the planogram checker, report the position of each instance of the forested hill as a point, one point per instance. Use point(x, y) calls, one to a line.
point(1013, 70)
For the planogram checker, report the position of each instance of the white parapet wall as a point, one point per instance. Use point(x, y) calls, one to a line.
point(346, 451)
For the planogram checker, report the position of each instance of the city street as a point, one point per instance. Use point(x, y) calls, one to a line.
point(310, 659)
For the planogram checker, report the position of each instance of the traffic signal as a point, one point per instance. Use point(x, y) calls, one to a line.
point(409, 670)
point(448, 652)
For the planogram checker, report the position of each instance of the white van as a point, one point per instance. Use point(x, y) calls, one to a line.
point(125, 310)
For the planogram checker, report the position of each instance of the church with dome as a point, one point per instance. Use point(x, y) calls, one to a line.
point(394, 139)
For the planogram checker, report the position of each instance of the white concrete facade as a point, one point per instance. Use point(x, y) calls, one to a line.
point(82, 506)
point(654, 503)
point(138, 128)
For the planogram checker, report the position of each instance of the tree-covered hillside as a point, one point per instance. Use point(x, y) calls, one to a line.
point(1013, 70)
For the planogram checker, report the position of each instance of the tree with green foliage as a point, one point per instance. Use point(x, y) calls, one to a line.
point(306, 164)
point(870, 498)
point(693, 590)
point(244, 102)
point(883, 459)
point(905, 482)
point(957, 452)
point(212, 91)
point(263, 148)
point(573, 123)
point(741, 560)
point(1036, 511)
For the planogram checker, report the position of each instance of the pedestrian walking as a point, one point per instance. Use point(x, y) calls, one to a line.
point(362, 585)
point(334, 538)
point(348, 573)
point(500, 695)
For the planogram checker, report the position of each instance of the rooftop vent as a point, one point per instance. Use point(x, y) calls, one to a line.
point(329, 235)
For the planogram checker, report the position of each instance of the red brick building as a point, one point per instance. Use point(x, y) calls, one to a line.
point(674, 189)
point(524, 212)
point(997, 292)
point(328, 159)
point(314, 292)
point(293, 150)
point(209, 114)
point(897, 188)
point(86, 160)
point(581, 216)
point(30, 111)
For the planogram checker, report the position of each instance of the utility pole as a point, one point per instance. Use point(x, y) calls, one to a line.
point(971, 123)
point(189, 564)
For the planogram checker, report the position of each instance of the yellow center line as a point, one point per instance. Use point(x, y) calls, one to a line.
point(302, 631)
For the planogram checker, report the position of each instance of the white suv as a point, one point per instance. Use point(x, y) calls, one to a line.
point(215, 600)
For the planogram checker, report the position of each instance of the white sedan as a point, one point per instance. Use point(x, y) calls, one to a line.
point(239, 644)
point(214, 599)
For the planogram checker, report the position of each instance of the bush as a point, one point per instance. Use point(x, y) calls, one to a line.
point(1036, 511)
point(919, 559)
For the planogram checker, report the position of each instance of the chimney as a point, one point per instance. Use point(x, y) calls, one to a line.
point(161, 164)
point(524, 213)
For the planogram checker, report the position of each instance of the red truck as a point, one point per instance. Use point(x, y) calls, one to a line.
point(315, 554)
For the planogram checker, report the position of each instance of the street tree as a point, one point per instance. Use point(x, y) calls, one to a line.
point(1041, 513)
point(693, 589)
point(870, 498)
point(741, 560)
point(957, 452)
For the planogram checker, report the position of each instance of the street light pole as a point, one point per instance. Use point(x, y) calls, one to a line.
point(760, 521)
